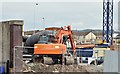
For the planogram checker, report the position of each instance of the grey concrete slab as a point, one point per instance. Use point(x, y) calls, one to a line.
point(111, 61)
point(119, 62)
point(0, 41)
point(5, 36)
point(119, 16)
point(6, 41)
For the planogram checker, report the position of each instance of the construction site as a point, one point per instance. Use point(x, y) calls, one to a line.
point(60, 49)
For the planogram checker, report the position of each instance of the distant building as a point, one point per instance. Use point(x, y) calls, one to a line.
point(80, 37)
point(117, 39)
point(90, 37)
point(87, 36)
point(29, 33)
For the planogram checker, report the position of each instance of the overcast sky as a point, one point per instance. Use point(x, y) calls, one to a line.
point(81, 15)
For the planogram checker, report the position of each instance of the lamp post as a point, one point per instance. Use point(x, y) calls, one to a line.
point(36, 4)
point(43, 19)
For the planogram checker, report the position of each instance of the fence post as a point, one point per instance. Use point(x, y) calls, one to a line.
point(14, 59)
point(7, 67)
point(63, 59)
point(96, 53)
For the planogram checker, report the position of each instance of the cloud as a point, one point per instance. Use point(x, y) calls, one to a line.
point(77, 25)
point(80, 15)
point(1, 11)
point(115, 26)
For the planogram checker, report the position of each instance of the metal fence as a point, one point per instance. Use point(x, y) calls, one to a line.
point(87, 56)
point(18, 61)
point(21, 60)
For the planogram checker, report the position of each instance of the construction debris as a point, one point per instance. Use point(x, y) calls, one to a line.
point(39, 67)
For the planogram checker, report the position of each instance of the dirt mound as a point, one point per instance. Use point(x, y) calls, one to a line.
point(39, 67)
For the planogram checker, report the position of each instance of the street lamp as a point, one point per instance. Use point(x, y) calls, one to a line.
point(43, 19)
point(36, 4)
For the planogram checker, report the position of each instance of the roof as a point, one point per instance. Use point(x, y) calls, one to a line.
point(75, 32)
point(31, 32)
point(80, 33)
point(52, 28)
point(85, 32)
point(117, 37)
point(85, 46)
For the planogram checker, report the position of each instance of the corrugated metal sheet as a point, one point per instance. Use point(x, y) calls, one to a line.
point(111, 62)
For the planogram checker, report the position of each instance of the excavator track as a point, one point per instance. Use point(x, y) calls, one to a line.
point(47, 60)
point(69, 60)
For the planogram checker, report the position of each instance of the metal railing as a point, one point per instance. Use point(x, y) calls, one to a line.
point(18, 57)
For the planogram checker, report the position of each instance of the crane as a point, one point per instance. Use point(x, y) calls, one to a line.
point(108, 21)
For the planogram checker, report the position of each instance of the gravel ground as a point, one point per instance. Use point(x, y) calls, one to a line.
point(39, 67)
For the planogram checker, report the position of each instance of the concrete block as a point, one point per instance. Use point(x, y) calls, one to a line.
point(111, 63)
point(5, 38)
point(6, 41)
point(119, 62)
point(0, 42)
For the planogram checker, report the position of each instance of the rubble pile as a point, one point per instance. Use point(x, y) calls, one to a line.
point(39, 67)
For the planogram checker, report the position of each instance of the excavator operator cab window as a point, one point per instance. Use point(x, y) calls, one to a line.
point(43, 38)
point(46, 39)
point(51, 38)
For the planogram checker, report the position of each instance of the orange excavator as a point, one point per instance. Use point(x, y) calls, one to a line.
point(53, 44)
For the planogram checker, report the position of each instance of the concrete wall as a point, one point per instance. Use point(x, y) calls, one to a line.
point(111, 62)
point(5, 41)
point(5, 38)
point(119, 15)
point(118, 62)
point(0, 41)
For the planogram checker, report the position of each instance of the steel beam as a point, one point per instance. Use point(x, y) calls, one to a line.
point(108, 21)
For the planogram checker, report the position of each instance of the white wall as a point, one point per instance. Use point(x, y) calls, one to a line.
point(90, 36)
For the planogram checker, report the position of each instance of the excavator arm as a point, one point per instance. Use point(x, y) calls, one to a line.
point(65, 31)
